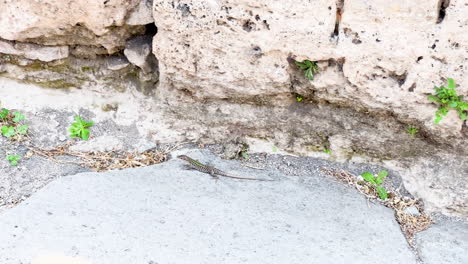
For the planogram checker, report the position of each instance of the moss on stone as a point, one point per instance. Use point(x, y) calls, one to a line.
point(86, 69)
point(56, 84)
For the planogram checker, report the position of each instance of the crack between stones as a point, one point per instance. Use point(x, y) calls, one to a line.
point(442, 6)
point(339, 11)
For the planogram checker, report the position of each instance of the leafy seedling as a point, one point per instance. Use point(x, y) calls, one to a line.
point(412, 130)
point(327, 151)
point(299, 98)
point(8, 131)
point(12, 123)
point(447, 99)
point(18, 117)
point(4, 114)
point(23, 130)
point(274, 149)
point(79, 128)
point(309, 67)
point(11, 131)
point(377, 182)
point(13, 159)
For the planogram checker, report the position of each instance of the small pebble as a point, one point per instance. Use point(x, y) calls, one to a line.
point(412, 211)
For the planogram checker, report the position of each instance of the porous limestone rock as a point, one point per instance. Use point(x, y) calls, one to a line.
point(138, 52)
point(69, 22)
point(65, 44)
point(373, 55)
point(239, 49)
point(34, 51)
point(378, 62)
point(142, 14)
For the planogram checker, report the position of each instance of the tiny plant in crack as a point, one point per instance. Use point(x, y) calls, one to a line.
point(447, 99)
point(310, 68)
point(11, 124)
point(299, 98)
point(79, 128)
point(243, 151)
point(13, 159)
point(377, 182)
point(412, 130)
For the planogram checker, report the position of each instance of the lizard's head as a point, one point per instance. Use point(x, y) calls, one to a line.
point(183, 157)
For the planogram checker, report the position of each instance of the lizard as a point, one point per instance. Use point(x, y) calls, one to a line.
point(212, 170)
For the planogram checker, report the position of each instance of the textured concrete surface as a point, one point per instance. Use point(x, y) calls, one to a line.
point(445, 242)
point(165, 214)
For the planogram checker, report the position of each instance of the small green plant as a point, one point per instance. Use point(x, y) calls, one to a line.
point(13, 159)
point(309, 67)
point(412, 130)
point(79, 128)
point(244, 151)
point(4, 114)
point(299, 98)
point(18, 117)
point(447, 99)
point(11, 123)
point(377, 182)
point(274, 149)
point(327, 151)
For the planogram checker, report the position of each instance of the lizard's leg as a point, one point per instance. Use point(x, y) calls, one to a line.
point(211, 171)
point(188, 167)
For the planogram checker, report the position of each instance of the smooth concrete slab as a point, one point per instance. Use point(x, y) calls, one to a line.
point(166, 214)
point(444, 242)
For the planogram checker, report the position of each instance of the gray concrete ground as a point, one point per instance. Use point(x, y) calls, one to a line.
point(166, 214)
point(48, 129)
point(445, 242)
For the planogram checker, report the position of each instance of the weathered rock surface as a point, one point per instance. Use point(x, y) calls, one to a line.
point(138, 52)
point(142, 14)
point(383, 56)
point(34, 51)
point(378, 62)
point(70, 22)
point(65, 44)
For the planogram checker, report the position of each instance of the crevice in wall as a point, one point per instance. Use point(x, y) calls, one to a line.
point(139, 52)
point(442, 6)
point(151, 29)
point(132, 65)
point(399, 78)
point(339, 11)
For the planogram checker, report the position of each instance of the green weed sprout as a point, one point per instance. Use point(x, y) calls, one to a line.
point(377, 182)
point(12, 123)
point(13, 159)
point(79, 128)
point(309, 67)
point(447, 99)
point(412, 130)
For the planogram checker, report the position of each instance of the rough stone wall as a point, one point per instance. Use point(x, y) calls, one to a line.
point(64, 44)
point(227, 74)
point(378, 62)
point(377, 55)
point(57, 22)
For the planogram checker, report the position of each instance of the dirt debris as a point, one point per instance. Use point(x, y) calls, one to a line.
point(409, 224)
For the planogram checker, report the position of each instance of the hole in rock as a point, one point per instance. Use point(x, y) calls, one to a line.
point(443, 4)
